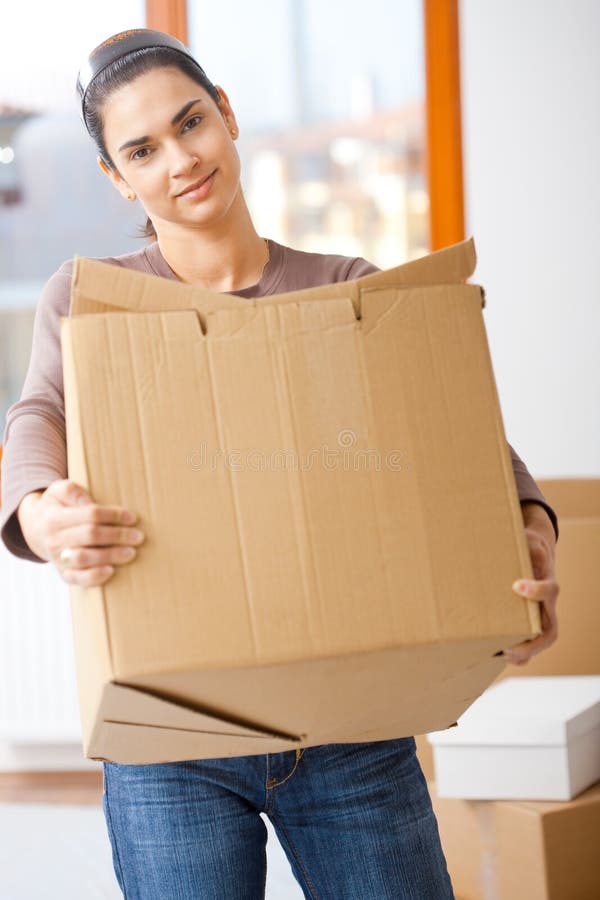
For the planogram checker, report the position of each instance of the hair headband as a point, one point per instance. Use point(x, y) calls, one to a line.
point(120, 45)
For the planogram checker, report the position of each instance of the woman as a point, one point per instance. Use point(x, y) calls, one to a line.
point(355, 820)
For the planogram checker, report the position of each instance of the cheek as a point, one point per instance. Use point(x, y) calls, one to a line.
point(151, 183)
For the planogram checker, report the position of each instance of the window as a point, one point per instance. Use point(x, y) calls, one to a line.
point(49, 179)
point(330, 103)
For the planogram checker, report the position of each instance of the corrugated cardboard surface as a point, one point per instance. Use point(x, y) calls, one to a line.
point(331, 516)
point(501, 850)
point(577, 650)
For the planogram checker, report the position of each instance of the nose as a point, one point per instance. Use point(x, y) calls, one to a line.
point(181, 161)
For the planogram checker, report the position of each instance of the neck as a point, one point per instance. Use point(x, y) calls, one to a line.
point(226, 256)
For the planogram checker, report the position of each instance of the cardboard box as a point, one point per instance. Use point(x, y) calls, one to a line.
point(532, 739)
point(577, 649)
point(503, 850)
point(360, 589)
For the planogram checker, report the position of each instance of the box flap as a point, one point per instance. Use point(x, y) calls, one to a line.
point(130, 720)
point(127, 705)
point(544, 710)
point(94, 282)
point(143, 744)
point(358, 698)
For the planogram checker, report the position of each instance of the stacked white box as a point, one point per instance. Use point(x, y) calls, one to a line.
point(523, 739)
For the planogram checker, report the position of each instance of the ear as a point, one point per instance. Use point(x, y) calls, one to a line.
point(123, 188)
point(226, 111)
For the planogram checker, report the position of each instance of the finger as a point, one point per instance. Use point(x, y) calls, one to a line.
point(69, 492)
point(87, 577)
point(540, 560)
point(515, 660)
point(527, 649)
point(89, 557)
point(90, 534)
point(549, 618)
point(93, 513)
point(536, 589)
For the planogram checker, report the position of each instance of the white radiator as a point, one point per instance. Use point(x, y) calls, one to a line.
point(39, 712)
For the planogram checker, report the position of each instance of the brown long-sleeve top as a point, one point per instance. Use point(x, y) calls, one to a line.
point(34, 440)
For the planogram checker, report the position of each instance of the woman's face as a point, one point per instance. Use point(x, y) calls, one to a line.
point(164, 133)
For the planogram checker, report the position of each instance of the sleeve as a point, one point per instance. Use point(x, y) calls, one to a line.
point(34, 442)
point(527, 489)
point(360, 267)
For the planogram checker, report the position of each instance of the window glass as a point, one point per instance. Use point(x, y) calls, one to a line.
point(54, 200)
point(330, 102)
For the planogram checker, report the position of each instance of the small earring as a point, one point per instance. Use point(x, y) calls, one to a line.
point(131, 196)
point(234, 131)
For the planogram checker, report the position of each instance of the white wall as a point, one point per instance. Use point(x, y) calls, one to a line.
point(39, 713)
point(531, 131)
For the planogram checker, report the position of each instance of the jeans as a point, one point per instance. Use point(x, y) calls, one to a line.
point(355, 821)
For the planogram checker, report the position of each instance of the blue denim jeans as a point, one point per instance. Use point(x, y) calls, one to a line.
point(355, 821)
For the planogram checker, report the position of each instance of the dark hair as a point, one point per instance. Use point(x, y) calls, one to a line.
point(123, 71)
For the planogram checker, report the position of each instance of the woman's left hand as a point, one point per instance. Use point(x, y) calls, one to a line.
point(543, 587)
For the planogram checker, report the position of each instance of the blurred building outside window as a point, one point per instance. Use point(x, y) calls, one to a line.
point(330, 99)
point(54, 200)
point(330, 103)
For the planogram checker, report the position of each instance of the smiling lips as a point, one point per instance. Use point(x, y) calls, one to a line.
point(198, 188)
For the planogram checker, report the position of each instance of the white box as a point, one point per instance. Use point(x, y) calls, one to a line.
point(523, 739)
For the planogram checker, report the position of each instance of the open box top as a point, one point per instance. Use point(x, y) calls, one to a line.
point(332, 521)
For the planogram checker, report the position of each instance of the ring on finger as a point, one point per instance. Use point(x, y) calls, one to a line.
point(66, 556)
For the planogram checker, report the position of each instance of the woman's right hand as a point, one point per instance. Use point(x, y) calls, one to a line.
point(65, 516)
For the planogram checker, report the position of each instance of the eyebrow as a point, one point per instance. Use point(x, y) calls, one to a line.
point(174, 121)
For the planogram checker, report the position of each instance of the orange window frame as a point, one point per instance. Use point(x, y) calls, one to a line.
point(169, 16)
point(442, 99)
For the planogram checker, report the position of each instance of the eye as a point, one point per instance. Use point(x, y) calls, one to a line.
point(192, 122)
point(143, 150)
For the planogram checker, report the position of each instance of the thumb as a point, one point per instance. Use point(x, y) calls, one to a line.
point(70, 493)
